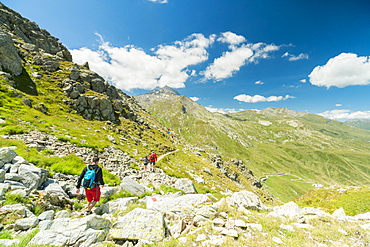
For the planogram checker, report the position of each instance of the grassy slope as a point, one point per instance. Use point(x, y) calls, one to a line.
point(311, 147)
point(354, 200)
point(359, 123)
point(61, 121)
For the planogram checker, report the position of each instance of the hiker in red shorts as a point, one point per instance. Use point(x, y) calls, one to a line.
point(152, 159)
point(92, 190)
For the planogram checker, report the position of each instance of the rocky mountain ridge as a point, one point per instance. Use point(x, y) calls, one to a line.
point(14, 29)
point(359, 123)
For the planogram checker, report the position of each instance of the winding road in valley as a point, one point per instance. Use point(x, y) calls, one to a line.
point(297, 179)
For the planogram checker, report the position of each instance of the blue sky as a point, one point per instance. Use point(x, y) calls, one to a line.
point(228, 55)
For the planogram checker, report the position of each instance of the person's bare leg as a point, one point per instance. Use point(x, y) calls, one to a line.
point(90, 205)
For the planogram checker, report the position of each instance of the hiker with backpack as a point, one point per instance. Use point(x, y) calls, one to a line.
point(152, 159)
point(91, 180)
point(145, 163)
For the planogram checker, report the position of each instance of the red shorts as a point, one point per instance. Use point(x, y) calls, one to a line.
point(93, 194)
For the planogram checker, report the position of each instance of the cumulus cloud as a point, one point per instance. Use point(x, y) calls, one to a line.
point(345, 114)
point(130, 67)
point(231, 38)
point(159, 1)
point(292, 57)
point(344, 70)
point(338, 104)
point(303, 81)
point(258, 98)
point(231, 61)
point(195, 99)
point(223, 110)
point(259, 83)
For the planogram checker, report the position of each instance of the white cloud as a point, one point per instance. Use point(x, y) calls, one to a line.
point(231, 38)
point(345, 114)
point(303, 81)
point(259, 98)
point(338, 104)
point(231, 61)
point(223, 110)
point(226, 65)
point(159, 1)
point(194, 98)
point(259, 83)
point(344, 70)
point(295, 58)
point(130, 67)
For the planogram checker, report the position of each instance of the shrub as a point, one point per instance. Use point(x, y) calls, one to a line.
point(70, 164)
point(5, 234)
point(15, 199)
point(13, 130)
point(64, 138)
point(168, 189)
point(48, 151)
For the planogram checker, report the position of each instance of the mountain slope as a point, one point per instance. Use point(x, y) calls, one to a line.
point(359, 123)
point(43, 93)
point(272, 141)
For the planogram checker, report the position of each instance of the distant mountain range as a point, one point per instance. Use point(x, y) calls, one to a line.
point(359, 123)
point(272, 141)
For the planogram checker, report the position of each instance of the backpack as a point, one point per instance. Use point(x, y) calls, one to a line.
point(89, 178)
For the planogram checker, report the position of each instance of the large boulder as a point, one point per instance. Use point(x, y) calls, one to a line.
point(290, 209)
point(139, 224)
point(25, 224)
point(15, 212)
point(81, 232)
point(117, 205)
point(9, 58)
point(245, 199)
point(185, 185)
point(32, 176)
point(7, 154)
point(99, 85)
point(130, 185)
point(53, 186)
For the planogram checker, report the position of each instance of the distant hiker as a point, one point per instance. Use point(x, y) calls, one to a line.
point(145, 161)
point(152, 160)
point(91, 179)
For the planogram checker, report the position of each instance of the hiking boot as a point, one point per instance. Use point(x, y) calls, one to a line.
point(88, 212)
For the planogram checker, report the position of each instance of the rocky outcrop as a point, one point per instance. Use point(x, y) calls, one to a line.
point(72, 232)
point(33, 38)
point(9, 58)
point(139, 224)
point(226, 167)
point(110, 105)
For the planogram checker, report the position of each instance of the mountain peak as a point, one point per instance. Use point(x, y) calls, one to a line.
point(164, 90)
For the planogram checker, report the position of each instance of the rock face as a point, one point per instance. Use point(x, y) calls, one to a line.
point(139, 224)
point(111, 105)
point(73, 232)
point(34, 39)
point(9, 58)
point(245, 199)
